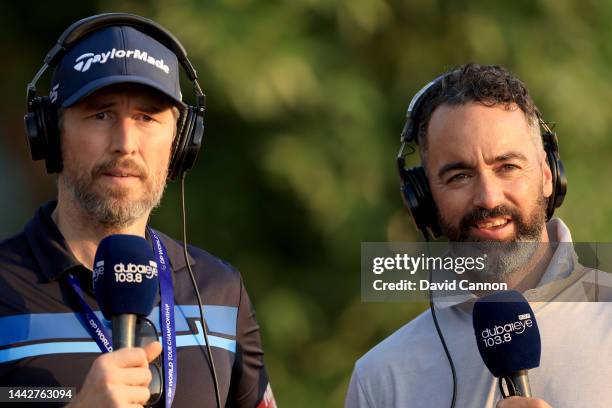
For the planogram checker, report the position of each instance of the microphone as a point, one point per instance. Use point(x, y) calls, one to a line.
point(125, 284)
point(508, 339)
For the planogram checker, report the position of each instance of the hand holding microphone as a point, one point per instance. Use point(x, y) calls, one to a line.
point(125, 283)
point(118, 379)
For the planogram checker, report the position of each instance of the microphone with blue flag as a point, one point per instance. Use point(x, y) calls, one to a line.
point(508, 339)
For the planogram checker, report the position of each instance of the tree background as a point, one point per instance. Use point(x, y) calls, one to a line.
point(306, 100)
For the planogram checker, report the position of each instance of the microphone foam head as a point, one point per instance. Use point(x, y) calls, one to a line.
point(125, 276)
point(506, 333)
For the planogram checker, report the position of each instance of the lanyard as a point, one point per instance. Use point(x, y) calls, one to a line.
point(166, 317)
point(100, 333)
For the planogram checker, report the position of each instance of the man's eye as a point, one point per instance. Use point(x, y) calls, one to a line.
point(458, 177)
point(509, 167)
point(146, 118)
point(101, 115)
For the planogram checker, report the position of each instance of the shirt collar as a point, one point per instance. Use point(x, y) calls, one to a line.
point(560, 267)
point(54, 257)
point(563, 260)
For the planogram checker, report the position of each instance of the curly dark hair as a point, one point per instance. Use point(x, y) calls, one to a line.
point(489, 85)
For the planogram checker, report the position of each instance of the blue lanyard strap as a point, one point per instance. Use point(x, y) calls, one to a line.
point(94, 326)
point(100, 333)
point(166, 318)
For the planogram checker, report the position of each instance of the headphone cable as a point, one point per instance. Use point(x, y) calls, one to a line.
point(197, 292)
point(435, 320)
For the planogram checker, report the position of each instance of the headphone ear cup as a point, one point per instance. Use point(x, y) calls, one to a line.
point(411, 199)
point(552, 163)
point(53, 157)
point(190, 132)
point(428, 203)
point(417, 198)
point(43, 134)
point(561, 189)
point(182, 132)
point(35, 131)
point(195, 138)
point(178, 142)
point(559, 183)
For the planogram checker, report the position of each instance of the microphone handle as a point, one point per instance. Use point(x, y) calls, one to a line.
point(517, 384)
point(124, 331)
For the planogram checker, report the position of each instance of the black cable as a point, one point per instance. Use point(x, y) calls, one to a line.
point(435, 320)
point(195, 286)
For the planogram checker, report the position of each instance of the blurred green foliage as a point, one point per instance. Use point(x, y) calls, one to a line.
point(306, 99)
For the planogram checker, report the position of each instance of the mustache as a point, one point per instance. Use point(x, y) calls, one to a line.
point(127, 165)
point(481, 214)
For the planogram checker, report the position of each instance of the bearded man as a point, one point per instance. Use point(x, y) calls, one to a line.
point(116, 103)
point(488, 181)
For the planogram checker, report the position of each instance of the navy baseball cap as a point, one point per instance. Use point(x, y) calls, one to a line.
point(113, 55)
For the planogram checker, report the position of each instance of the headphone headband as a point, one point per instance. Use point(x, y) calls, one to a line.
point(411, 128)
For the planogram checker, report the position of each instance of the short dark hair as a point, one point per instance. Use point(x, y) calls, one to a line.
point(489, 85)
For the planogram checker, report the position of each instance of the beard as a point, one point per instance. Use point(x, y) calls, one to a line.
point(503, 258)
point(112, 206)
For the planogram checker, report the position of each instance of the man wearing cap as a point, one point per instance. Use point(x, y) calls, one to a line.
point(489, 178)
point(116, 97)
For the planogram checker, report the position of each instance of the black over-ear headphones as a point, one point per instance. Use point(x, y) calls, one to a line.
point(415, 189)
point(41, 124)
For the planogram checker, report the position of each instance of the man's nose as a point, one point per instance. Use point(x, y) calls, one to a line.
point(489, 192)
point(125, 137)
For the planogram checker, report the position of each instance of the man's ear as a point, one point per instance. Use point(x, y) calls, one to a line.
point(547, 186)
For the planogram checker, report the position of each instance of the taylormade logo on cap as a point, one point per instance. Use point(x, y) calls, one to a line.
point(84, 61)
